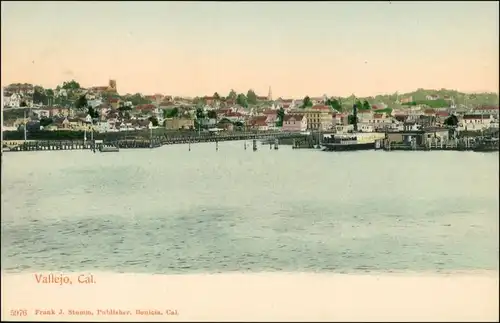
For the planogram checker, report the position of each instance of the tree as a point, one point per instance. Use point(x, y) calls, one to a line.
point(242, 100)
point(44, 122)
point(171, 113)
point(39, 95)
point(81, 103)
point(71, 85)
point(334, 103)
point(154, 121)
point(352, 120)
point(124, 108)
point(280, 117)
point(366, 105)
point(216, 96)
point(251, 97)
point(23, 104)
point(138, 99)
point(232, 95)
point(451, 121)
point(211, 114)
point(200, 114)
point(307, 102)
point(94, 114)
point(358, 104)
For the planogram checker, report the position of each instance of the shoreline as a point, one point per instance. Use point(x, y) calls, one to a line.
point(400, 273)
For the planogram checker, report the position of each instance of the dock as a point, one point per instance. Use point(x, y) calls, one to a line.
point(48, 145)
point(139, 142)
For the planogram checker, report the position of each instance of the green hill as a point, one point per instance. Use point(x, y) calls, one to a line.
point(420, 97)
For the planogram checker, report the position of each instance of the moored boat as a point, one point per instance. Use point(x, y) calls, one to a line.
point(352, 141)
point(109, 149)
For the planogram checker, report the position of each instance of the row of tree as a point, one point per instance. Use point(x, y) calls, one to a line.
point(240, 98)
point(336, 103)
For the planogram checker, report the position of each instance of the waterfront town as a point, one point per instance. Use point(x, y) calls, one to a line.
point(70, 107)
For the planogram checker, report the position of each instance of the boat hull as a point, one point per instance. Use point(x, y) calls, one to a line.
point(349, 147)
point(109, 150)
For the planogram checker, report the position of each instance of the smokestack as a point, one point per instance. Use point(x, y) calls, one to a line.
point(355, 117)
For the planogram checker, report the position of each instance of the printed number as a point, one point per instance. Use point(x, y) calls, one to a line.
point(21, 312)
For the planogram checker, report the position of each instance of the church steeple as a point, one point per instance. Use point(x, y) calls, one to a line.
point(270, 95)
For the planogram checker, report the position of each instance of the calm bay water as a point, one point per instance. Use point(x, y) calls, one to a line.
point(169, 210)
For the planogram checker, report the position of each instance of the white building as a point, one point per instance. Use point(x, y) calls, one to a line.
point(476, 122)
point(14, 100)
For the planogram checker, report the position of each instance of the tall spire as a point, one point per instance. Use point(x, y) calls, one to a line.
point(270, 95)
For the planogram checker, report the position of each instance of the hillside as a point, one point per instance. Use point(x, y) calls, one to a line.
point(420, 97)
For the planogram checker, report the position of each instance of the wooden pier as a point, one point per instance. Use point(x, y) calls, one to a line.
point(48, 145)
point(462, 144)
point(271, 136)
point(141, 143)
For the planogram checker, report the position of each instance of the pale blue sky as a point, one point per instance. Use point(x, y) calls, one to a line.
point(296, 47)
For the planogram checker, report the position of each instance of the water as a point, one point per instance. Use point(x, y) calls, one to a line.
point(168, 210)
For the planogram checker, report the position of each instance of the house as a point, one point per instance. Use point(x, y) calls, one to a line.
point(258, 123)
point(432, 97)
point(295, 104)
point(378, 106)
point(94, 103)
point(104, 126)
point(319, 100)
point(178, 123)
point(339, 119)
point(378, 121)
point(225, 124)
point(441, 116)
point(365, 116)
point(318, 117)
point(294, 123)
point(411, 126)
point(475, 122)
point(146, 109)
point(114, 103)
point(430, 112)
point(437, 132)
point(140, 124)
point(487, 109)
point(210, 100)
point(406, 100)
point(13, 101)
point(59, 111)
point(234, 116)
point(42, 113)
point(208, 122)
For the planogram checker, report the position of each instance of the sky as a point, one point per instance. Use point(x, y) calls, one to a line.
point(296, 48)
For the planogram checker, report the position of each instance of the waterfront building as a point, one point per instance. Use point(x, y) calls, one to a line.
point(294, 123)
